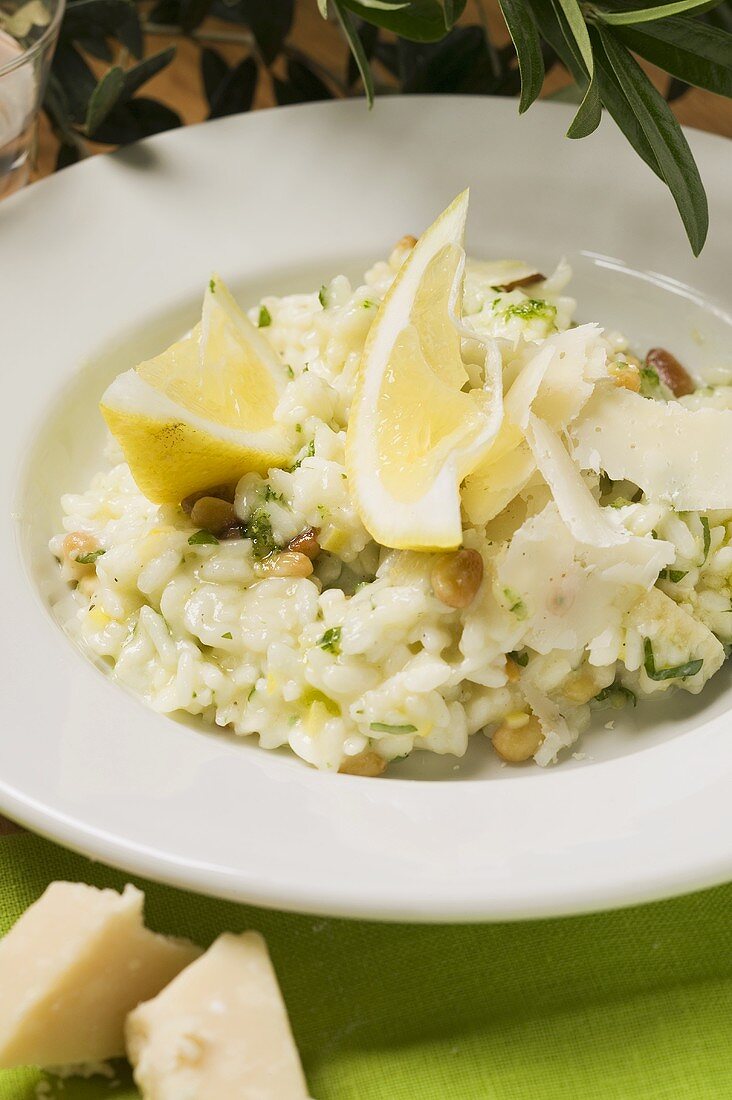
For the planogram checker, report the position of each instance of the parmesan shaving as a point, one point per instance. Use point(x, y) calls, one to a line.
point(568, 593)
point(676, 455)
point(587, 521)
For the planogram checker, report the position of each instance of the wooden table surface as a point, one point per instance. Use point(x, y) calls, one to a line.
point(180, 87)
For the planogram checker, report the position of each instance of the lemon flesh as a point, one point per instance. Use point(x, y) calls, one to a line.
point(414, 433)
point(201, 413)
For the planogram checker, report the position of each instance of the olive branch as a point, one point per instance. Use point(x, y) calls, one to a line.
point(407, 46)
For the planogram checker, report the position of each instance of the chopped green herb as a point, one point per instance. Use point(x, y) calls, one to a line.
point(674, 575)
point(516, 605)
point(368, 304)
point(520, 659)
point(227, 635)
point(270, 494)
point(309, 452)
point(331, 640)
point(384, 727)
point(323, 296)
point(265, 317)
point(617, 696)
point(707, 537)
point(298, 427)
point(89, 559)
point(678, 672)
point(203, 538)
point(212, 285)
point(531, 309)
point(650, 382)
point(290, 371)
point(259, 530)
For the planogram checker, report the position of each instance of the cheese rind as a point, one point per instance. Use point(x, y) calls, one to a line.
point(72, 967)
point(220, 1029)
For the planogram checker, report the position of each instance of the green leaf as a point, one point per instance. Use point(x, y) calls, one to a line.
point(578, 27)
point(235, 93)
point(203, 538)
point(647, 15)
point(678, 672)
point(418, 21)
point(302, 85)
point(384, 727)
point(192, 13)
point(577, 36)
point(617, 696)
point(689, 49)
point(522, 29)
point(104, 97)
point(673, 575)
point(665, 138)
point(138, 118)
point(139, 74)
point(614, 100)
point(588, 117)
point(117, 18)
point(213, 71)
point(356, 47)
point(270, 21)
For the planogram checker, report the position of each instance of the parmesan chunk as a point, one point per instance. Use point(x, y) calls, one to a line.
point(680, 456)
point(72, 967)
point(220, 1030)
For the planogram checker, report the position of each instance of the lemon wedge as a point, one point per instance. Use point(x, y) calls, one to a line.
point(413, 432)
point(201, 413)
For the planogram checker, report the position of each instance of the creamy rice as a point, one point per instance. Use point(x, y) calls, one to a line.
point(362, 656)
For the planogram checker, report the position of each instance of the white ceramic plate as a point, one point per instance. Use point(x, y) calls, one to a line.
point(103, 264)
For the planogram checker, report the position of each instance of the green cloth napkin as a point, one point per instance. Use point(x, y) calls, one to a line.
point(636, 1003)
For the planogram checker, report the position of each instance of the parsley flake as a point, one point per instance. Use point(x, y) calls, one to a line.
point(203, 538)
point(265, 318)
point(678, 672)
point(384, 727)
point(331, 640)
point(89, 559)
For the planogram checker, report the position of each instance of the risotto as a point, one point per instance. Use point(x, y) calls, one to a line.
point(269, 609)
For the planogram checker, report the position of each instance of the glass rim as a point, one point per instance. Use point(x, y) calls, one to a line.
point(48, 35)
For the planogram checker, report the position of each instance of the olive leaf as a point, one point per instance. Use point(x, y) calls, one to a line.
point(356, 46)
point(418, 20)
point(522, 29)
point(665, 137)
point(688, 49)
point(577, 37)
point(103, 98)
point(423, 50)
point(648, 15)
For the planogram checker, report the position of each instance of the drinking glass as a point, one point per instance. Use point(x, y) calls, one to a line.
point(28, 33)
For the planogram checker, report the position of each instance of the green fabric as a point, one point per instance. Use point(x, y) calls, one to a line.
point(621, 1005)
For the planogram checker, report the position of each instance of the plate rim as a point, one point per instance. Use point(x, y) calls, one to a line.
point(134, 858)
